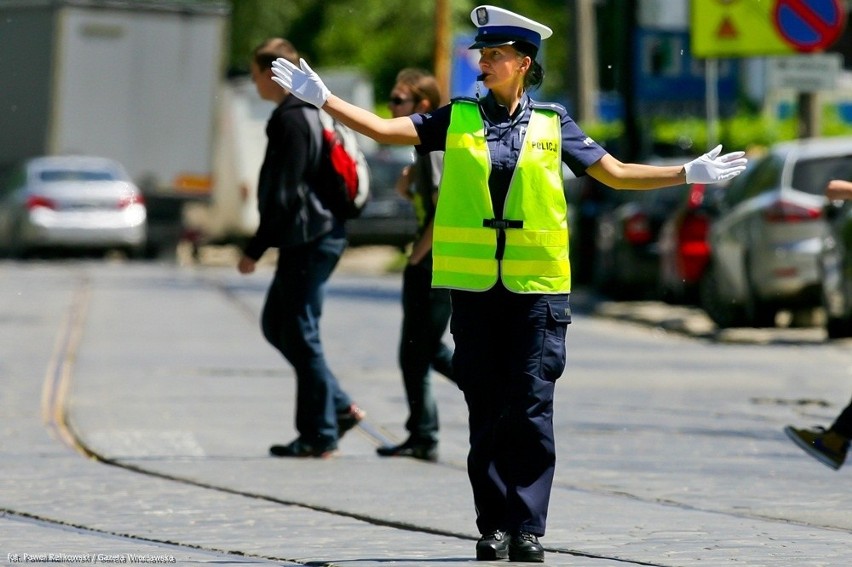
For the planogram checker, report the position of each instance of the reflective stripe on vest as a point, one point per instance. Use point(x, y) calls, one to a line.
point(535, 259)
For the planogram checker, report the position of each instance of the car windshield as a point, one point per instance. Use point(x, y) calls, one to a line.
point(56, 175)
point(811, 176)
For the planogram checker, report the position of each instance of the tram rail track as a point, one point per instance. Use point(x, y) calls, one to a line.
point(59, 377)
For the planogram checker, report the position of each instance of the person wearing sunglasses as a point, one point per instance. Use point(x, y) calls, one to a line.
point(500, 245)
point(425, 310)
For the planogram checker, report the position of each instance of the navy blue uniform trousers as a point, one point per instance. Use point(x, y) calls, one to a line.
point(509, 351)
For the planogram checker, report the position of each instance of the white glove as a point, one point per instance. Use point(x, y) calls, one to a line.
point(712, 168)
point(302, 82)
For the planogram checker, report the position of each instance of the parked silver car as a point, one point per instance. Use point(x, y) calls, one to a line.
point(835, 264)
point(766, 241)
point(70, 202)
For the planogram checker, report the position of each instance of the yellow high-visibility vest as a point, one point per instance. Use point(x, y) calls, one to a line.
point(535, 215)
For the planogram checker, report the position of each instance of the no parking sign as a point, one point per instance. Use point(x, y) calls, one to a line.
point(809, 25)
point(744, 28)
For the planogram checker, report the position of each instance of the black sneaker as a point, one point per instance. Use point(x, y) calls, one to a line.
point(824, 445)
point(493, 545)
point(425, 451)
point(299, 448)
point(348, 419)
point(525, 547)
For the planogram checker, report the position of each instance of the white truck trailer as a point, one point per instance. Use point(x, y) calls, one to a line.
point(133, 81)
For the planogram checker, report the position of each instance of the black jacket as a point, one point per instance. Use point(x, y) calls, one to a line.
point(290, 213)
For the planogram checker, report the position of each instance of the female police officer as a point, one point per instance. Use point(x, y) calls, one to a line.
point(500, 244)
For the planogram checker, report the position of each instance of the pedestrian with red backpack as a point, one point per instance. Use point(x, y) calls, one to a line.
point(310, 240)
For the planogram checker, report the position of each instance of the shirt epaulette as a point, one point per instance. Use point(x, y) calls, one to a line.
point(555, 107)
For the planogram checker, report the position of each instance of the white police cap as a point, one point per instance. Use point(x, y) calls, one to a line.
point(496, 26)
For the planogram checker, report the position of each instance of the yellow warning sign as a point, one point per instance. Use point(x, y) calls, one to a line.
point(736, 28)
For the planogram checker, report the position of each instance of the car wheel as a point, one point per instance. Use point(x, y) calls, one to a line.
point(838, 326)
point(603, 277)
point(759, 313)
point(667, 293)
point(835, 293)
point(17, 248)
point(724, 312)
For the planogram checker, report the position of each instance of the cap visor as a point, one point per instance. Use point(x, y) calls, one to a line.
point(492, 43)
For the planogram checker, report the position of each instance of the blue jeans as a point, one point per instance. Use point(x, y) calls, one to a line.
point(291, 323)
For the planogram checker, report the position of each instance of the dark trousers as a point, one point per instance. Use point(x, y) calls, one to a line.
point(425, 315)
point(291, 324)
point(509, 351)
point(843, 424)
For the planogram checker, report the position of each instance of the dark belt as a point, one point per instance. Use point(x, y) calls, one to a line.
point(502, 224)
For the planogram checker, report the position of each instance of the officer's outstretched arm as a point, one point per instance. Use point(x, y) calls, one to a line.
point(399, 131)
point(618, 175)
point(305, 84)
point(838, 189)
point(709, 168)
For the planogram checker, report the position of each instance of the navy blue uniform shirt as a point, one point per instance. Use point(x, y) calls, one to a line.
point(504, 134)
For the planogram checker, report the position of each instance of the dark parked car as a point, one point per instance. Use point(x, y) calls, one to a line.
point(683, 243)
point(835, 269)
point(388, 218)
point(627, 252)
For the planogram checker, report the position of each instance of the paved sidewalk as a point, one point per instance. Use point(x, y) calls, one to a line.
point(177, 396)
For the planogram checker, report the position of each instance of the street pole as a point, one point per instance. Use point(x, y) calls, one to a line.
point(711, 92)
point(588, 86)
point(809, 115)
point(633, 135)
point(443, 50)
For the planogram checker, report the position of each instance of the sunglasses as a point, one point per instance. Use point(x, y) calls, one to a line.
point(398, 100)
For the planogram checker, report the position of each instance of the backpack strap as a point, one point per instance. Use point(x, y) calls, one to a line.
point(315, 126)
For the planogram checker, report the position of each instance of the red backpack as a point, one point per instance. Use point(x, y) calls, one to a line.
point(342, 177)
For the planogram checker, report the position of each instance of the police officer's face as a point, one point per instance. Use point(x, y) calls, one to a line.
point(502, 64)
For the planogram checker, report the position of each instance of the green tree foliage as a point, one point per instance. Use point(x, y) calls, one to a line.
point(379, 37)
point(744, 130)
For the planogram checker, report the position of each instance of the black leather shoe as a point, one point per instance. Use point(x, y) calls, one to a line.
point(427, 451)
point(526, 548)
point(299, 448)
point(348, 419)
point(493, 545)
